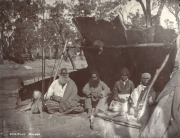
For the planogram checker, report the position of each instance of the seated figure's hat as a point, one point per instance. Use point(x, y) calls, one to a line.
point(146, 76)
point(64, 72)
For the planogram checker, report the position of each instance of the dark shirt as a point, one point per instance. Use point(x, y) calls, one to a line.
point(101, 88)
point(121, 87)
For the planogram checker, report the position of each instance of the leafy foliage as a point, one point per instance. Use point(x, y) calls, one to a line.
point(137, 21)
point(173, 7)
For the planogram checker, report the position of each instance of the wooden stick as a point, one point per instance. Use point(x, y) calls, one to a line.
point(164, 45)
point(60, 31)
point(121, 23)
point(144, 101)
point(114, 9)
point(121, 122)
point(59, 63)
point(71, 60)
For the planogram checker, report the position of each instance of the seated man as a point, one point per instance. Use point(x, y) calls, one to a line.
point(138, 93)
point(36, 104)
point(122, 90)
point(62, 94)
point(96, 92)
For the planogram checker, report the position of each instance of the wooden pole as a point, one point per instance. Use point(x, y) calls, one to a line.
point(155, 45)
point(43, 54)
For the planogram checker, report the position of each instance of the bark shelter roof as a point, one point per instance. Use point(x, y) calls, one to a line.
point(113, 34)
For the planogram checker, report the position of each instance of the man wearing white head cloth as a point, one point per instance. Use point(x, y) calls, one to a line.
point(138, 92)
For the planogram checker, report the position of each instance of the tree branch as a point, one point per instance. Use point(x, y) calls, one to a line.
point(120, 13)
point(170, 10)
point(161, 7)
point(157, 16)
point(144, 10)
point(132, 7)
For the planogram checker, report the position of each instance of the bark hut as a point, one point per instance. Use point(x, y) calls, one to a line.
point(108, 46)
point(138, 50)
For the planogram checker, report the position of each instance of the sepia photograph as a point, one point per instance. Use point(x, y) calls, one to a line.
point(89, 68)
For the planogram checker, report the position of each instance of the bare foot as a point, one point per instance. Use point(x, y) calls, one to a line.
point(41, 115)
point(59, 114)
point(91, 121)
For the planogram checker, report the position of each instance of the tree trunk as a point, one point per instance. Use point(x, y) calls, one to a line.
point(148, 8)
point(178, 22)
point(158, 15)
point(50, 52)
point(38, 52)
point(56, 53)
point(1, 57)
point(2, 42)
point(177, 12)
point(147, 12)
point(71, 60)
point(144, 11)
point(177, 18)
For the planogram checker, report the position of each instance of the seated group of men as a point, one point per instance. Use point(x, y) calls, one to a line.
point(62, 94)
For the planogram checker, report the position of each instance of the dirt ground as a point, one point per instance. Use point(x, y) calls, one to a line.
point(18, 124)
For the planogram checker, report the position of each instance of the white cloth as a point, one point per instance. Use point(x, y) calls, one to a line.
point(116, 106)
point(123, 96)
point(56, 89)
point(136, 93)
point(124, 82)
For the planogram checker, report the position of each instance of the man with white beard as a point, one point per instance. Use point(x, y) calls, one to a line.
point(62, 94)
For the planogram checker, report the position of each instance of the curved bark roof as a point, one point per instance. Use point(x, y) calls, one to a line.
point(115, 33)
point(107, 36)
